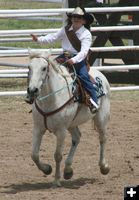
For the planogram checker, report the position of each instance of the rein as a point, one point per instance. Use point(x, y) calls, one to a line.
point(64, 87)
point(47, 114)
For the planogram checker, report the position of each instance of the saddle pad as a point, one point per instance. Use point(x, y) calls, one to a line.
point(98, 87)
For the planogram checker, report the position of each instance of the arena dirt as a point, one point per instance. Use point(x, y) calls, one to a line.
point(21, 180)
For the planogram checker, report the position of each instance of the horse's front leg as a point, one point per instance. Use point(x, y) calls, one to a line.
point(36, 142)
point(60, 136)
point(75, 133)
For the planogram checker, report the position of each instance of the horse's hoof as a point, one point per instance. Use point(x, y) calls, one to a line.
point(104, 170)
point(56, 184)
point(68, 174)
point(47, 169)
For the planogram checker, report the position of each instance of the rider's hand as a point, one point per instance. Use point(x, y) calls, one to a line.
point(70, 62)
point(34, 37)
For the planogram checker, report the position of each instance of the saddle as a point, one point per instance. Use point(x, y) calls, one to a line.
point(79, 92)
point(82, 96)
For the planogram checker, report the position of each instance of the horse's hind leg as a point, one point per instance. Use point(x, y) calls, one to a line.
point(75, 133)
point(36, 142)
point(101, 124)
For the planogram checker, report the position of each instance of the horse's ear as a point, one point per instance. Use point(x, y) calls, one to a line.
point(31, 52)
point(46, 54)
point(49, 52)
point(50, 58)
point(38, 53)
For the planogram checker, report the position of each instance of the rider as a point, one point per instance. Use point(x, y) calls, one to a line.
point(79, 21)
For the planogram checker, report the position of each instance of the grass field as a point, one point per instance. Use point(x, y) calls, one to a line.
point(15, 24)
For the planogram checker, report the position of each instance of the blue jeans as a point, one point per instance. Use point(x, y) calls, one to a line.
point(81, 70)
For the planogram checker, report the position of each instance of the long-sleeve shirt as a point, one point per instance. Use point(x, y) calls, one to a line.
point(83, 35)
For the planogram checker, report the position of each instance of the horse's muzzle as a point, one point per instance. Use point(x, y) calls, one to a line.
point(31, 95)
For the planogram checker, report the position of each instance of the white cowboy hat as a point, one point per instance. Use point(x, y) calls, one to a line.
point(82, 13)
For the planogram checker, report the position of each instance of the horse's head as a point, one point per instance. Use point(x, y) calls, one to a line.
point(38, 72)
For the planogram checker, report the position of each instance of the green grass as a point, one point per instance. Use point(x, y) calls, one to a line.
point(15, 24)
point(26, 4)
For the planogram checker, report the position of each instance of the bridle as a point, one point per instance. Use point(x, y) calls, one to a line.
point(46, 114)
point(48, 68)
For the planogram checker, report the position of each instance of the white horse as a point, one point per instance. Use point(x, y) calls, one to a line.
point(54, 109)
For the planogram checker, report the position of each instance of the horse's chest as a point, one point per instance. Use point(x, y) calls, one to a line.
point(61, 119)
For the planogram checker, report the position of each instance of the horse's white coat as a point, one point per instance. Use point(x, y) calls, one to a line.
point(46, 78)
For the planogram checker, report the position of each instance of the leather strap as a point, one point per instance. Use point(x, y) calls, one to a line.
point(45, 114)
point(76, 43)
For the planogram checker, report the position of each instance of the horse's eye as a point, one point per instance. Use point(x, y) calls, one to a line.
point(44, 69)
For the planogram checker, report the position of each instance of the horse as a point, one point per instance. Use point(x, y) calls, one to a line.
point(55, 109)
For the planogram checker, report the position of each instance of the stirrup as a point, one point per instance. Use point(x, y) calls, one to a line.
point(94, 104)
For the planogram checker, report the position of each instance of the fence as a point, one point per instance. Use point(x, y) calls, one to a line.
point(17, 33)
point(57, 12)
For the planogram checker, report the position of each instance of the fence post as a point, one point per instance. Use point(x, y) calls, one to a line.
point(136, 33)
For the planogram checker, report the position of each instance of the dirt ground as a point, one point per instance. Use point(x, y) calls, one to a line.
point(21, 180)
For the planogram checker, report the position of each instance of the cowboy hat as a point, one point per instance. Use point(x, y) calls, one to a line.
point(82, 13)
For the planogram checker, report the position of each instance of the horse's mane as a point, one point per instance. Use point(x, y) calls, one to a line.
point(59, 68)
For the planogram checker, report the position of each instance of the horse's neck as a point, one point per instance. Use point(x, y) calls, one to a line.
point(56, 90)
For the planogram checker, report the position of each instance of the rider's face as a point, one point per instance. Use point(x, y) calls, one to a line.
point(77, 21)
